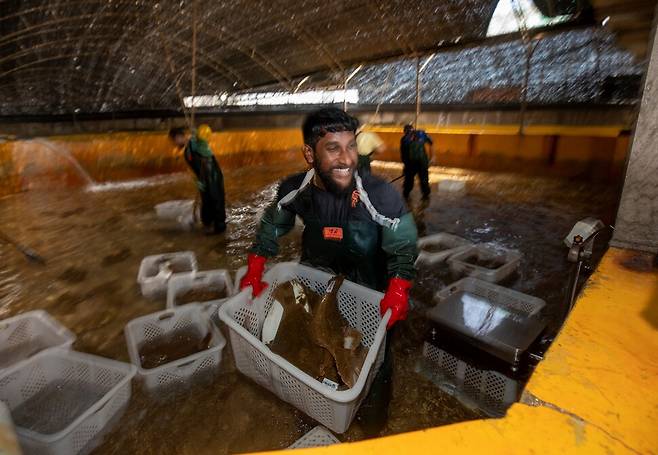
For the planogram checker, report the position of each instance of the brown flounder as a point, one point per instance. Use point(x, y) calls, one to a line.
point(294, 341)
point(331, 331)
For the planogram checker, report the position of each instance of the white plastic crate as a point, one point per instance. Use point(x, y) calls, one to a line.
point(448, 243)
point(317, 437)
point(240, 273)
point(360, 307)
point(102, 385)
point(487, 390)
point(183, 212)
point(179, 372)
point(509, 259)
point(215, 280)
point(451, 186)
point(172, 210)
point(154, 274)
point(28, 333)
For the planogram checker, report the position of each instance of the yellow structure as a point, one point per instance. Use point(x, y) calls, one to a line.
point(596, 152)
point(595, 392)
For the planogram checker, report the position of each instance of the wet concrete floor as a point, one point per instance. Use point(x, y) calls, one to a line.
point(94, 242)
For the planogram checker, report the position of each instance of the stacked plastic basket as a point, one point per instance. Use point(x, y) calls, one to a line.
point(61, 401)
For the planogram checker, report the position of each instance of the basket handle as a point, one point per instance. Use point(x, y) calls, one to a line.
point(102, 406)
point(447, 292)
point(182, 365)
point(468, 268)
point(167, 315)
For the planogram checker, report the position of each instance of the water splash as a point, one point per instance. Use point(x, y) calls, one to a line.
point(68, 156)
point(137, 183)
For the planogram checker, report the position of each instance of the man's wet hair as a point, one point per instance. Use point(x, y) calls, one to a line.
point(408, 127)
point(177, 131)
point(326, 120)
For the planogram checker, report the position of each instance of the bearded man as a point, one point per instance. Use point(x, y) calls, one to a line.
point(357, 226)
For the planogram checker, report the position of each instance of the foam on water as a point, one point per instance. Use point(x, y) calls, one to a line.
point(138, 183)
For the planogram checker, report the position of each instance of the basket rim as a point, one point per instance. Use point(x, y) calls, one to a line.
point(318, 430)
point(193, 275)
point(441, 236)
point(446, 292)
point(341, 396)
point(46, 318)
point(511, 253)
point(132, 345)
point(146, 261)
point(128, 369)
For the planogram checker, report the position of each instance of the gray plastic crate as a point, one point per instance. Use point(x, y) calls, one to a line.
point(489, 391)
point(509, 261)
point(317, 437)
point(27, 334)
point(446, 245)
point(500, 321)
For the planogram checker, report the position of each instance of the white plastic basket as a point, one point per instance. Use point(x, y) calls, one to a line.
point(217, 280)
point(107, 381)
point(241, 272)
point(153, 280)
point(172, 210)
point(179, 372)
point(451, 186)
point(510, 262)
point(450, 244)
point(28, 333)
point(360, 307)
point(317, 437)
point(183, 212)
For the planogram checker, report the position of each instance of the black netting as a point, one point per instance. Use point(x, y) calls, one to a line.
point(88, 56)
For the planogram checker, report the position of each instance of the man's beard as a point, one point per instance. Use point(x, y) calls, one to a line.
point(329, 183)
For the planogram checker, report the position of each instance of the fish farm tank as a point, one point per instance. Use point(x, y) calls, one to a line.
point(529, 106)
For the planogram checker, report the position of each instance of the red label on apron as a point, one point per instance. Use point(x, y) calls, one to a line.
point(333, 233)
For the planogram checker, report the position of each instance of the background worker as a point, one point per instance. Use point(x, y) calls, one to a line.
point(209, 178)
point(369, 145)
point(416, 161)
point(354, 225)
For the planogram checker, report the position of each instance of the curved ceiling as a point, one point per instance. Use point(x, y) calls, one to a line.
point(64, 56)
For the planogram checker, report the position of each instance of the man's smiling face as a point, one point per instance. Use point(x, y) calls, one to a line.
point(334, 160)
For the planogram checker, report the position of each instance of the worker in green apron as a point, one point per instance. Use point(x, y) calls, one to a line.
point(209, 177)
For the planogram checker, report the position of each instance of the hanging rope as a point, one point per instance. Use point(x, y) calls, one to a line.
point(194, 39)
point(172, 71)
point(530, 48)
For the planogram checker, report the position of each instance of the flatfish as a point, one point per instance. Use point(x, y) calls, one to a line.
point(174, 346)
point(294, 340)
point(331, 331)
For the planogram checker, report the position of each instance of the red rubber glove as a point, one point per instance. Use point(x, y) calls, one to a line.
point(254, 275)
point(396, 299)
